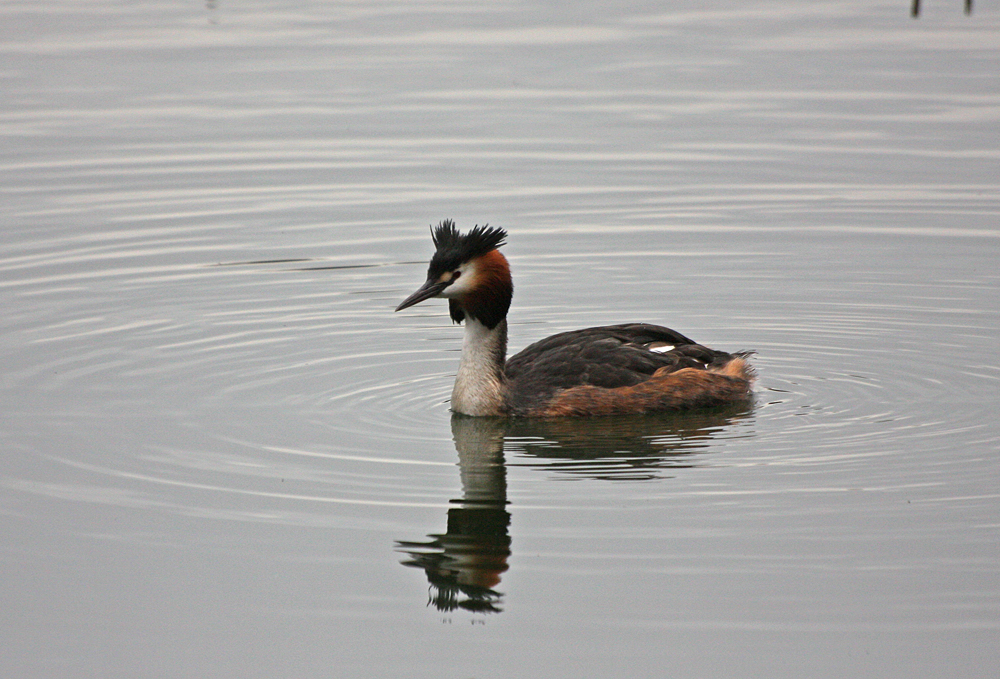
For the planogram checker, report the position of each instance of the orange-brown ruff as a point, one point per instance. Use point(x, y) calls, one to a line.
point(608, 370)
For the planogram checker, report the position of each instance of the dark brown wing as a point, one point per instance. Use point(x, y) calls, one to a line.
point(608, 356)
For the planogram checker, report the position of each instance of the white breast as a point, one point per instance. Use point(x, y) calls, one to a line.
point(478, 388)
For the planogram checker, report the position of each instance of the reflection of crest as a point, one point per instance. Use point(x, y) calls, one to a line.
point(464, 564)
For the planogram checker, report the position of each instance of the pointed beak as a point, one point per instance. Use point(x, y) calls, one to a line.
point(431, 288)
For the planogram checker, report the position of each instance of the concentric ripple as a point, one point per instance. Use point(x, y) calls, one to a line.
point(239, 358)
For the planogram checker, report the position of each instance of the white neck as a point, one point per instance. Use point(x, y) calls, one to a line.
point(479, 385)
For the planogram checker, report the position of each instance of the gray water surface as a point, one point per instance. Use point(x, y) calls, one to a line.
point(225, 456)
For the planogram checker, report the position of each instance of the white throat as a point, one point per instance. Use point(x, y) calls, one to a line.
point(479, 384)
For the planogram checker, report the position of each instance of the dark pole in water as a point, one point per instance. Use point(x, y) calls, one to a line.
point(915, 8)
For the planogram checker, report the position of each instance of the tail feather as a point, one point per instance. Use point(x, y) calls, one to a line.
point(738, 368)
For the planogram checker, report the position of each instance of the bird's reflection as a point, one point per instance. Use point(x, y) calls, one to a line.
point(465, 563)
point(628, 447)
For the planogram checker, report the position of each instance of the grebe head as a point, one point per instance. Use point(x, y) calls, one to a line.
point(469, 271)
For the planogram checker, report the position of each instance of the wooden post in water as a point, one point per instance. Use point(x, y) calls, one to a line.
point(915, 8)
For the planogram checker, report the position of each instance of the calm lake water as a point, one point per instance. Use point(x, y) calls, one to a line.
point(225, 456)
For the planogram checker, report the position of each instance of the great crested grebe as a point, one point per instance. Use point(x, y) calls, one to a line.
point(613, 369)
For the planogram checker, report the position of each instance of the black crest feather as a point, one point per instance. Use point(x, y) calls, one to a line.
point(454, 247)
